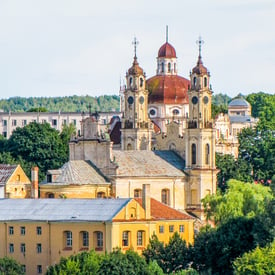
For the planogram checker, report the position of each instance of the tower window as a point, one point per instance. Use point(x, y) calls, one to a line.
point(205, 82)
point(194, 81)
point(194, 153)
point(175, 67)
point(130, 81)
point(169, 67)
point(141, 82)
point(162, 67)
point(207, 153)
point(176, 112)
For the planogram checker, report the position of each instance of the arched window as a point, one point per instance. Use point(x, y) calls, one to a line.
point(98, 240)
point(175, 67)
point(140, 238)
point(68, 240)
point(129, 146)
point(130, 81)
point(165, 196)
point(141, 82)
point(172, 147)
point(169, 67)
point(100, 195)
point(176, 112)
point(205, 82)
point(194, 154)
point(162, 67)
point(50, 196)
point(137, 193)
point(194, 81)
point(207, 153)
point(84, 237)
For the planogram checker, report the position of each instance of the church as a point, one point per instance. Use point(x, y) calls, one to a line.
point(179, 166)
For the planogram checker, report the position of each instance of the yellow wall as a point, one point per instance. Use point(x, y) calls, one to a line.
point(18, 185)
point(74, 191)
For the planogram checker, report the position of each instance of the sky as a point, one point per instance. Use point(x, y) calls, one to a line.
point(54, 48)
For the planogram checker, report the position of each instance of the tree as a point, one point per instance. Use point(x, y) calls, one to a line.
point(38, 144)
point(129, 263)
point(67, 132)
point(37, 109)
point(9, 266)
point(239, 200)
point(257, 262)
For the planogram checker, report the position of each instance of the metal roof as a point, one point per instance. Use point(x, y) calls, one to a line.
point(149, 164)
point(240, 119)
point(77, 172)
point(73, 210)
point(6, 170)
point(239, 101)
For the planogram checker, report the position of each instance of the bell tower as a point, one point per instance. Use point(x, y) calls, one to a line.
point(136, 130)
point(200, 138)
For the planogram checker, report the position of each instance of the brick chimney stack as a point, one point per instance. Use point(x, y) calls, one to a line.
point(146, 200)
point(34, 179)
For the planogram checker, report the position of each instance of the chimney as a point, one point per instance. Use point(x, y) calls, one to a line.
point(34, 178)
point(146, 200)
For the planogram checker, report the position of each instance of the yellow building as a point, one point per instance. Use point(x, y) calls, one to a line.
point(38, 232)
point(75, 179)
point(13, 182)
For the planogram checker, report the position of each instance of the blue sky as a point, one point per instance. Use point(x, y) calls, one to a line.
point(65, 47)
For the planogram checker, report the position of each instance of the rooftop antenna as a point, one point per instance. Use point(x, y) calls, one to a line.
point(135, 43)
point(166, 33)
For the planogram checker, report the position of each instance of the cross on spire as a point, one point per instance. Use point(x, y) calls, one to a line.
point(135, 43)
point(200, 42)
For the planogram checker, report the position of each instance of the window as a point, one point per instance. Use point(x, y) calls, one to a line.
point(50, 196)
point(98, 240)
point(137, 193)
point(39, 269)
point(181, 228)
point(161, 229)
point(22, 248)
point(141, 82)
point(194, 152)
point(39, 230)
point(44, 121)
point(140, 238)
point(68, 239)
point(165, 196)
point(125, 238)
point(152, 112)
point(207, 153)
point(131, 81)
point(74, 122)
point(39, 248)
point(54, 122)
point(194, 81)
point(4, 122)
point(176, 112)
point(23, 268)
point(169, 67)
point(64, 122)
point(24, 122)
point(100, 195)
point(85, 238)
point(171, 228)
point(11, 247)
point(11, 231)
point(205, 82)
point(175, 67)
point(17, 177)
point(13, 122)
point(162, 67)
point(4, 134)
point(22, 230)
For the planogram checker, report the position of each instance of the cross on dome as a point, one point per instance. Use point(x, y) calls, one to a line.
point(135, 43)
point(200, 42)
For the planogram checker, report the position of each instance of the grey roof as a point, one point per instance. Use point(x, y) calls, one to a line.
point(60, 209)
point(6, 170)
point(240, 119)
point(149, 163)
point(78, 172)
point(239, 101)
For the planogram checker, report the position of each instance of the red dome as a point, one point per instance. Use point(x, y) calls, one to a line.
point(167, 50)
point(199, 69)
point(168, 89)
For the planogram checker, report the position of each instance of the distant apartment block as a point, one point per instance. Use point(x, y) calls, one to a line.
point(9, 121)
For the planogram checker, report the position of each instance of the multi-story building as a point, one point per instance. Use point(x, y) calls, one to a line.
point(38, 232)
point(9, 121)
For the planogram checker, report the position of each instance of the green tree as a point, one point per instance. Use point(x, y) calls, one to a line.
point(239, 200)
point(9, 266)
point(38, 144)
point(257, 262)
point(67, 132)
point(37, 109)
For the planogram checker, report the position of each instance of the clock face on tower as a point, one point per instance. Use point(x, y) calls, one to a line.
point(194, 100)
point(205, 100)
point(130, 100)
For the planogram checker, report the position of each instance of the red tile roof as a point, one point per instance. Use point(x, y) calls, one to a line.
point(160, 211)
point(168, 89)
